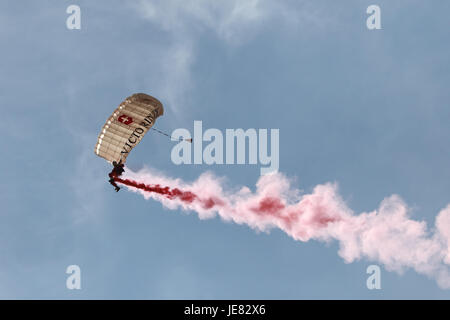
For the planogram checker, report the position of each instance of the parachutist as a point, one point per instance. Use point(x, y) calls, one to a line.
point(116, 172)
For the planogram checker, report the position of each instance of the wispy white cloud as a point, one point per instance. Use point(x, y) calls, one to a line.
point(234, 22)
point(176, 71)
point(230, 20)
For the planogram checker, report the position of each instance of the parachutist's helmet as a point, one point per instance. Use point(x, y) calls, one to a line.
point(114, 163)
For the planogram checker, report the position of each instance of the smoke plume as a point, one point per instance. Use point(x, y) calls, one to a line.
point(387, 236)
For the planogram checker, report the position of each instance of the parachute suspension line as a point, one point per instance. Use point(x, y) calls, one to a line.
point(161, 132)
point(169, 136)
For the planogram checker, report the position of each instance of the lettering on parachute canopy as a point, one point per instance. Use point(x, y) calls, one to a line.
point(138, 133)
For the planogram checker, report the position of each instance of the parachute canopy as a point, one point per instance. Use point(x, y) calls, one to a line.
point(126, 127)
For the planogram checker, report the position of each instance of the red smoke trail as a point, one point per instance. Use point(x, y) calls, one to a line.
point(175, 193)
point(267, 206)
point(171, 193)
point(386, 235)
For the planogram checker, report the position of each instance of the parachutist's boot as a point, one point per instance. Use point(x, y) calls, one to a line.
point(117, 189)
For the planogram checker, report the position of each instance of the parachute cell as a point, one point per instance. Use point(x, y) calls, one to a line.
point(126, 127)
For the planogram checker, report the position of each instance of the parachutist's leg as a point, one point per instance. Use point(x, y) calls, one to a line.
point(113, 182)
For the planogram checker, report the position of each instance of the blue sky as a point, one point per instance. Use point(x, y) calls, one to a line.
point(366, 109)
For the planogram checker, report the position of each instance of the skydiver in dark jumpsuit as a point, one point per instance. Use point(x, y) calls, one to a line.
point(116, 172)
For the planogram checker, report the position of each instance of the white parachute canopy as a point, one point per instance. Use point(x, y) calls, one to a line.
point(126, 127)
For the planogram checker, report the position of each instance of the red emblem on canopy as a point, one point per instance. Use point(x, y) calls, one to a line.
point(125, 119)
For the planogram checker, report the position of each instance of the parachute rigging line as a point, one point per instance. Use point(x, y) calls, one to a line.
point(169, 136)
